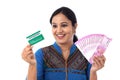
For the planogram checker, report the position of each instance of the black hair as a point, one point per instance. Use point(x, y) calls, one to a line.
point(69, 14)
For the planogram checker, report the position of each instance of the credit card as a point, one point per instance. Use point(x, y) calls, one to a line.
point(35, 38)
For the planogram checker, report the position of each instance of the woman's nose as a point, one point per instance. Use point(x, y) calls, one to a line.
point(59, 29)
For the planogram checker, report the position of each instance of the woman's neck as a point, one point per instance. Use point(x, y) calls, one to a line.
point(66, 49)
point(65, 46)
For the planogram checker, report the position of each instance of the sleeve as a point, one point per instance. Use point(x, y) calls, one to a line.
point(39, 60)
point(88, 71)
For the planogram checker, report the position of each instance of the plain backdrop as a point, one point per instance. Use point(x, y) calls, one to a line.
point(20, 18)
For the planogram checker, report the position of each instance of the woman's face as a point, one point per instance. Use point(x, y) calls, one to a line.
point(62, 29)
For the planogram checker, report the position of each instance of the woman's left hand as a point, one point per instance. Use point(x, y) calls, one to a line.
point(98, 63)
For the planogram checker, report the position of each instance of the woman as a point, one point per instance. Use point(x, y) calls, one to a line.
point(61, 60)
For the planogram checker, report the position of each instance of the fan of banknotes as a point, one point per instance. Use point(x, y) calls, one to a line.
point(93, 44)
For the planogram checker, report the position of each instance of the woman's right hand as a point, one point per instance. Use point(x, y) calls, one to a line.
point(28, 55)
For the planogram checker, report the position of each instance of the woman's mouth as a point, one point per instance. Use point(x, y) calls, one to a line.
point(60, 36)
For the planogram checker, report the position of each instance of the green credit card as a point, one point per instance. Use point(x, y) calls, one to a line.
point(35, 38)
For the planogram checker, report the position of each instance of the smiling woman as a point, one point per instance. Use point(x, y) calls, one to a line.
point(62, 29)
point(61, 60)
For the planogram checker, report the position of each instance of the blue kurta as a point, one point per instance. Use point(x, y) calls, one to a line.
point(52, 66)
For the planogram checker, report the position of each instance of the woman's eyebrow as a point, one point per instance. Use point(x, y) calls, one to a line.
point(64, 23)
point(53, 23)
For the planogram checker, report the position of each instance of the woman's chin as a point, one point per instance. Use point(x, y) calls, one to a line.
point(61, 42)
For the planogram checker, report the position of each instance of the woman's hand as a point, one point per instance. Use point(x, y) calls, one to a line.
point(28, 56)
point(98, 63)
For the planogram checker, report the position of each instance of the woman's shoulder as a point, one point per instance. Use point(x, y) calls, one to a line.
point(40, 50)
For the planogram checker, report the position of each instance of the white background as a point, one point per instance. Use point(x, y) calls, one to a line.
point(19, 18)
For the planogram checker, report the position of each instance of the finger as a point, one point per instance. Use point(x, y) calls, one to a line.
point(96, 61)
point(101, 61)
point(28, 47)
point(30, 56)
point(26, 54)
point(26, 51)
point(103, 57)
point(31, 59)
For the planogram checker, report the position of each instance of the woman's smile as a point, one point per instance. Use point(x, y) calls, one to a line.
point(60, 36)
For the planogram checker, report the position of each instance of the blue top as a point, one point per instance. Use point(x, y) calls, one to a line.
point(52, 66)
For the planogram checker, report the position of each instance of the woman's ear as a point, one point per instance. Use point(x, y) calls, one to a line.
point(75, 26)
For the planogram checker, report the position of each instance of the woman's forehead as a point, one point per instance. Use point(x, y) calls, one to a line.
point(60, 18)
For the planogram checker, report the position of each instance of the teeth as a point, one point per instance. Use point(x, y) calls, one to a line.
point(60, 35)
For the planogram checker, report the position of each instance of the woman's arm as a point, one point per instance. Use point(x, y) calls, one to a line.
point(98, 63)
point(32, 72)
point(28, 56)
point(93, 75)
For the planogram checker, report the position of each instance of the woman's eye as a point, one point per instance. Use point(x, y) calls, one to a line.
point(54, 26)
point(64, 25)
